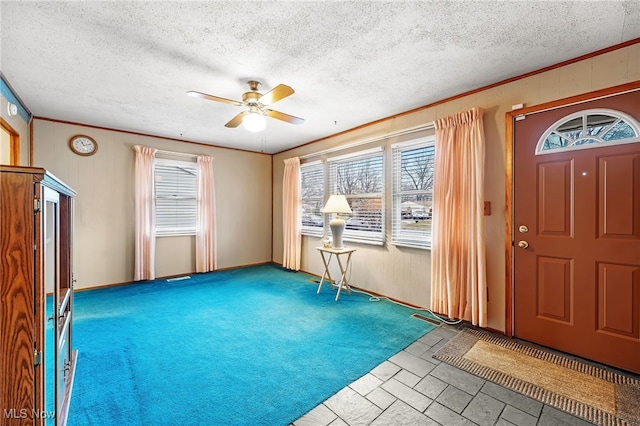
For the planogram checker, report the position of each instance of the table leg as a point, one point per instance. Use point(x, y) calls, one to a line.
point(326, 272)
point(343, 279)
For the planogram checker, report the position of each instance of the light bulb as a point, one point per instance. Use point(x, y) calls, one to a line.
point(254, 122)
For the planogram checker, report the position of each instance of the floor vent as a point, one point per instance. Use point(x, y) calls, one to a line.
point(186, 277)
point(427, 319)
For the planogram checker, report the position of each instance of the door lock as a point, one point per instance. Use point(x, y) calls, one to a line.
point(523, 244)
point(523, 229)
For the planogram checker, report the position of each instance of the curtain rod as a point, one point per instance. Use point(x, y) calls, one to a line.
point(427, 126)
point(181, 154)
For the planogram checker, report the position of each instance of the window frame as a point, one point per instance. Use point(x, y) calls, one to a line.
point(399, 236)
point(192, 194)
point(376, 237)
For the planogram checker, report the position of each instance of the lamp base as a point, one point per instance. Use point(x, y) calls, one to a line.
point(337, 229)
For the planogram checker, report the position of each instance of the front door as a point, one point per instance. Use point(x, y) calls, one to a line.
point(577, 234)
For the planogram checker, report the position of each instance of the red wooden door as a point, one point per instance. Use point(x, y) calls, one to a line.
point(577, 284)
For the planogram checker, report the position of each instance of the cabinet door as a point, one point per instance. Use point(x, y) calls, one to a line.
point(18, 332)
point(58, 287)
point(66, 355)
point(51, 255)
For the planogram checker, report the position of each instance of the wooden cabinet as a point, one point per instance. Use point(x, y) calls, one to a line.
point(37, 362)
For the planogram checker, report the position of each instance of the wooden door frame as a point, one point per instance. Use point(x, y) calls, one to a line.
point(510, 118)
point(14, 142)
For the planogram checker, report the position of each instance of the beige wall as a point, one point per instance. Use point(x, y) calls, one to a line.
point(404, 273)
point(21, 127)
point(103, 243)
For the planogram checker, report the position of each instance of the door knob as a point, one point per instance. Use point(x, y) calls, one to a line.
point(523, 244)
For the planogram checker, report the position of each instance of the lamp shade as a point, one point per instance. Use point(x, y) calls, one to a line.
point(337, 203)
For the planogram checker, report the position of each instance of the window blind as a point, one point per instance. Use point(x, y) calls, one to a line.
point(413, 167)
point(175, 197)
point(312, 197)
point(360, 178)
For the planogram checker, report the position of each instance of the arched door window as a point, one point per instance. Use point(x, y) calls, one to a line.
point(591, 128)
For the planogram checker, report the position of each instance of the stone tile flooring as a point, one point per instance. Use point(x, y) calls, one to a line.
point(412, 388)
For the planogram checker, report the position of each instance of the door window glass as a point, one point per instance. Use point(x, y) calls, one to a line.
point(589, 129)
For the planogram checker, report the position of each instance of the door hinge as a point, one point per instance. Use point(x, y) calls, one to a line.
point(36, 205)
point(37, 358)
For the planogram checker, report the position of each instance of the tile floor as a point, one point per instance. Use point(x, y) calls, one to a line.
point(412, 388)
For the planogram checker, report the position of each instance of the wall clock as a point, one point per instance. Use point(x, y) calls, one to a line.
point(83, 145)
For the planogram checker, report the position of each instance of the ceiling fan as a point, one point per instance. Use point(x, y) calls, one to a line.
point(253, 118)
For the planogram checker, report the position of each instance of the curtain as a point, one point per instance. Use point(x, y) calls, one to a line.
point(205, 217)
point(458, 272)
point(145, 217)
point(291, 217)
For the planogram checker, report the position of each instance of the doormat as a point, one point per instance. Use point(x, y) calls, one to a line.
point(590, 392)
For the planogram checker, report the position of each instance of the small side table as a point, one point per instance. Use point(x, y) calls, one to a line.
point(344, 267)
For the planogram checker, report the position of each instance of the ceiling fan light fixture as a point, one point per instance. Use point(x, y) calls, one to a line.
point(254, 122)
point(254, 119)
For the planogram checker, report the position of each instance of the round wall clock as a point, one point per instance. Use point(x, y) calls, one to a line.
point(83, 145)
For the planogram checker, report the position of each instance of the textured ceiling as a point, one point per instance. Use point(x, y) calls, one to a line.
point(128, 65)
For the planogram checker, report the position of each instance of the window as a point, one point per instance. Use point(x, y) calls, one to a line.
point(175, 196)
point(360, 178)
point(413, 165)
point(312, 197)
point(589, 129)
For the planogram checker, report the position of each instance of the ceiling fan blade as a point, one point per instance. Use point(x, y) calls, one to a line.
point(214, 98)
point(281, 91)
point(237, 120)
point(284, 117)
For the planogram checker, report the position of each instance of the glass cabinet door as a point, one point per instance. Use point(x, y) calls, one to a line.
point(57, 356)
point(51, 255)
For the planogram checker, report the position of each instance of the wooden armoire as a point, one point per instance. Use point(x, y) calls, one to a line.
point(37, 361)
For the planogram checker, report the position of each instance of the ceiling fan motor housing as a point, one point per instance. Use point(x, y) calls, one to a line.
point(251, 98)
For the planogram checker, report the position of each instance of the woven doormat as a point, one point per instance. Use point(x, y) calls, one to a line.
point(595, 394)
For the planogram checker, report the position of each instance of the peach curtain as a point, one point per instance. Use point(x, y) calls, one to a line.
point(291, 209)
point(458, 272)
point(145, 215)
point(205, 217)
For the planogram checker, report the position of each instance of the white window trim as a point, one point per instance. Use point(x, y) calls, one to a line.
point(414, 246)
point(431, 139)
point(350, 155)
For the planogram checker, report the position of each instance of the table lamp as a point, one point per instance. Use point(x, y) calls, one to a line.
point(337, 204)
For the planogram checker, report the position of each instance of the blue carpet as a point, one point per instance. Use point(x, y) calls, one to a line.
point(250, 346)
